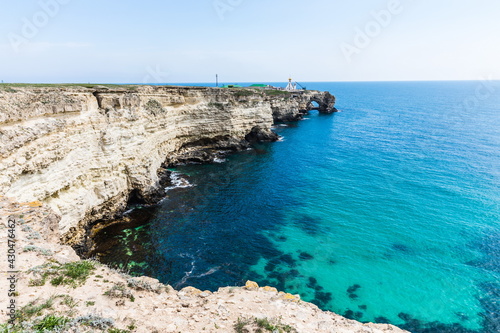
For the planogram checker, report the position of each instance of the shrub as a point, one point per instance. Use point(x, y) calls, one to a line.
point(119, 290)
point(117, 330)
point(50, 323)
point(240, 325)
point(95, 321)
point(277, 93)
point(243, 92)
point(143, 285)
point(153, 106)
point(73, 273)
point(262, 325)
point(32, 248)
point(34, 309)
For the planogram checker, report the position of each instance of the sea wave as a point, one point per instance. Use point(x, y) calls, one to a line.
point(219, 160)
point(178, 181)
point(189, 274)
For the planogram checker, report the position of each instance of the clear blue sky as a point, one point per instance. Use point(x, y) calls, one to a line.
point(248, 40)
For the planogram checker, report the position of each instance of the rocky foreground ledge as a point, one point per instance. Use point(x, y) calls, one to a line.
point(57, 291)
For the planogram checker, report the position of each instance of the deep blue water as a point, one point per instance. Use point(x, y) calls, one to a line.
point(387, 211)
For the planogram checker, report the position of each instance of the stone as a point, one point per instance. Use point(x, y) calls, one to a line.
point(171, 328)
point(191, 291)
point(290, 297)
point(251, 285)
point(269, 289)
point(259, 135)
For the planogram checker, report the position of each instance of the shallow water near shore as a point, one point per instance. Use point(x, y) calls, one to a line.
point(387, 211)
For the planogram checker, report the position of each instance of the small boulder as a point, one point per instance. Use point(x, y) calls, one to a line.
point(259, 134)
point(250, 285)
point(270, 289)
point(290, 297)
point(191, 291)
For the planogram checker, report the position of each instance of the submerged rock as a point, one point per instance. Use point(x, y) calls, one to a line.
point(305, 256)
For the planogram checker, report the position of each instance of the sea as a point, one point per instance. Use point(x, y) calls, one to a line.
point(387, 211)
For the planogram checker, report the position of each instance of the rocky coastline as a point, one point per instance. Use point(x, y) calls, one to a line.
point(85, 151)
point(73, 156)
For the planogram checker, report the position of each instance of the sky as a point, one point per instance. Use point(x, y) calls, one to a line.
point(165, 41)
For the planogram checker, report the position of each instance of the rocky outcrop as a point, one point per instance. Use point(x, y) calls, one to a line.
point(83, 151)
point(259, 135)
point(325, 101)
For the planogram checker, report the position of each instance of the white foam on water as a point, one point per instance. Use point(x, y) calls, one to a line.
point(188, 273)
point(129, 211)
point(219, 160)
point(209, 272)
point(178, 181)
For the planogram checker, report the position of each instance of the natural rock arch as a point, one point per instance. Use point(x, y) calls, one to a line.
point(324, 103)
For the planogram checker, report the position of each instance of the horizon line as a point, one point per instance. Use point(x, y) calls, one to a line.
point(237, 82)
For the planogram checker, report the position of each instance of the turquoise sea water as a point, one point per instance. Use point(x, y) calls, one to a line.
point(387, 211)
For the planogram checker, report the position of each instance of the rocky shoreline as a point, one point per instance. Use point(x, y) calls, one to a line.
point(73, 156)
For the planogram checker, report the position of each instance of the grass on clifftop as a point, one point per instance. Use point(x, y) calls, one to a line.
point(40, 316)
point(244, 92)
point(277, 92)
point(72, 274)
point(241, 92)
point(10, 87)
point(261, 325)
point(51, 322)
point(58, 324)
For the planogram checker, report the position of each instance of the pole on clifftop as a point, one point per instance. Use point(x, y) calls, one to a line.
point(216, 80)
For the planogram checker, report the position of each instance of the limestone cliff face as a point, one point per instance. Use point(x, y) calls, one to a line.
point(83, 151)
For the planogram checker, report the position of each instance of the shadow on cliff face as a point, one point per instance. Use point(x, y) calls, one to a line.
point(118, 245)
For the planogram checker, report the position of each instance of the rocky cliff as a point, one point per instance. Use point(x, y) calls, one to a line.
point(83, 150)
